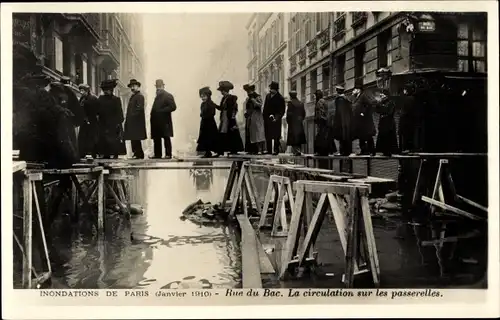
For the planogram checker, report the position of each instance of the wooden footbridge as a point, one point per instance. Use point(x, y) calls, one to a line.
point(344, 195)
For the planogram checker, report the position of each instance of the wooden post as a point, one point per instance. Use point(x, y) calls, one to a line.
point(100, 202)
point(28, 232)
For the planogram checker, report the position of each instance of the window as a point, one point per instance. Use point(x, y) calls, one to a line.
point(307, 30)
point(326, 79)
point(314, 83)
point(384, 46)
point(275, 36)
point(359, 65)
point(94, 78)
point(339, 70)
point(84, 71)
point(58, 52)
point(293, 86)
point(471, 47)
point(325, 20)
point(303, 88)
point(318, 22)
point(281, 28)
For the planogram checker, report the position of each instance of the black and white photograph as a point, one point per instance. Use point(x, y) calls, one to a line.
point(330, 152)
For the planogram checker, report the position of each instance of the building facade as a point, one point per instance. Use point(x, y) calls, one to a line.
point(86, 47)
point(326, 49)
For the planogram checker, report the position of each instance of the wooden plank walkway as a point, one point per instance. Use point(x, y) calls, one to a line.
point(249, 254)
point(286, 156)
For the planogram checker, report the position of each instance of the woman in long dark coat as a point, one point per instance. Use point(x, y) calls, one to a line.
point(110, 122)
point(228, 128)
point(342, 123)
point(323, 138)
point(387, 141)
point(88, 136)
point(363, 126)
point(295, 115)
point(254, 121)
point(208, 136)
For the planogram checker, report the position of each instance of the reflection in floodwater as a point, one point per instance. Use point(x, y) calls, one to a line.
point(202, 178)
point(158, 249)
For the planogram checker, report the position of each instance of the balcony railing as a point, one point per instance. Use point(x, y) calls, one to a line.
point(358, 18)
point(302, 56)
point(339, 27)
point(109, 43)
point(324, 39)
point(93, 20)
point(312, 48)
point(293, 63)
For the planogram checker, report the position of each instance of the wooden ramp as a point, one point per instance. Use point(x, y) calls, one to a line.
point(255, 260)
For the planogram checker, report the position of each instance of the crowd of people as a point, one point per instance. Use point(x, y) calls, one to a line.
point(351, 118)
point(54, 126)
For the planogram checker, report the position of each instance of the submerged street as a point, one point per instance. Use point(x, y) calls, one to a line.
point(161, 251)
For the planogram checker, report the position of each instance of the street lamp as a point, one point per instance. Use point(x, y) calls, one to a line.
point(383, 78)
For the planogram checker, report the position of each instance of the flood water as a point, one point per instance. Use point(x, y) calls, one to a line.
point(160, 250)
point(164, 252)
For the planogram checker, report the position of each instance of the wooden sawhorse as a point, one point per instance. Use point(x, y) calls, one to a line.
point(77, 176)
point(351, 212)
point(282, 187)
point(30, 198)
point(117, 185)
point(241, 187)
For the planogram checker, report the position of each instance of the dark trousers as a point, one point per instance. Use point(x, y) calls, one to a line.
point(137, 148)
point(158, 147)
point(345, 147)
point(269, 145)
point(367, 146)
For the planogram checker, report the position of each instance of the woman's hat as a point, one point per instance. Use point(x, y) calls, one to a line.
point(38, 79)
point(249, 87)
point(134, 82)
point(274, 85)
point(109, 84)
point(339, 89)
point(205, 91)
point(225, 85)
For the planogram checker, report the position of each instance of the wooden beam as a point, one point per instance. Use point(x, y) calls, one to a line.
point(313, 229)
point(266, 267)
point(332, 187)
point(18, 166)
point(100, 203)
point(452, 209)
point(27, 232)
point(472, 203)
point(249, 255)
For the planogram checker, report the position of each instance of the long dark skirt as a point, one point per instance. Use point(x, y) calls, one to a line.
point(231, 141)
point(208, 138)
point(323, 142)
point(111, 141)
point(387, 141)
point(88, 139)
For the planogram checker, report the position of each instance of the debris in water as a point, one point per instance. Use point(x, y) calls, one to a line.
point(204, 213)
point(136, 209)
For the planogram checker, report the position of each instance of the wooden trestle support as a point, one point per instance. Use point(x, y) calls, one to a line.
point(348, 202)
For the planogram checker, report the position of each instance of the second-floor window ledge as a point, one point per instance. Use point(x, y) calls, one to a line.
point(358, 18)
point(339, 28)
point(324, 39)
point(302, 56)
point(312, 49)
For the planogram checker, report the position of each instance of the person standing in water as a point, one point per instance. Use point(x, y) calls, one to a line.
point(208, 135)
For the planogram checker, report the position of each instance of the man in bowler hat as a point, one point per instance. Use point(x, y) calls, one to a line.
point(161, 120)
point(135, 121)
point(274, 109)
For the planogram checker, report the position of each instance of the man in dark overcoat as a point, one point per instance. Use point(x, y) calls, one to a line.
point(110, 121)
point(161, 120)
point(342, 123)
point(295, 115)
point(363, 126)
point(324, 136)
point(88, 136)
point(135, 122)
point(274, 109)
point(73, 105)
